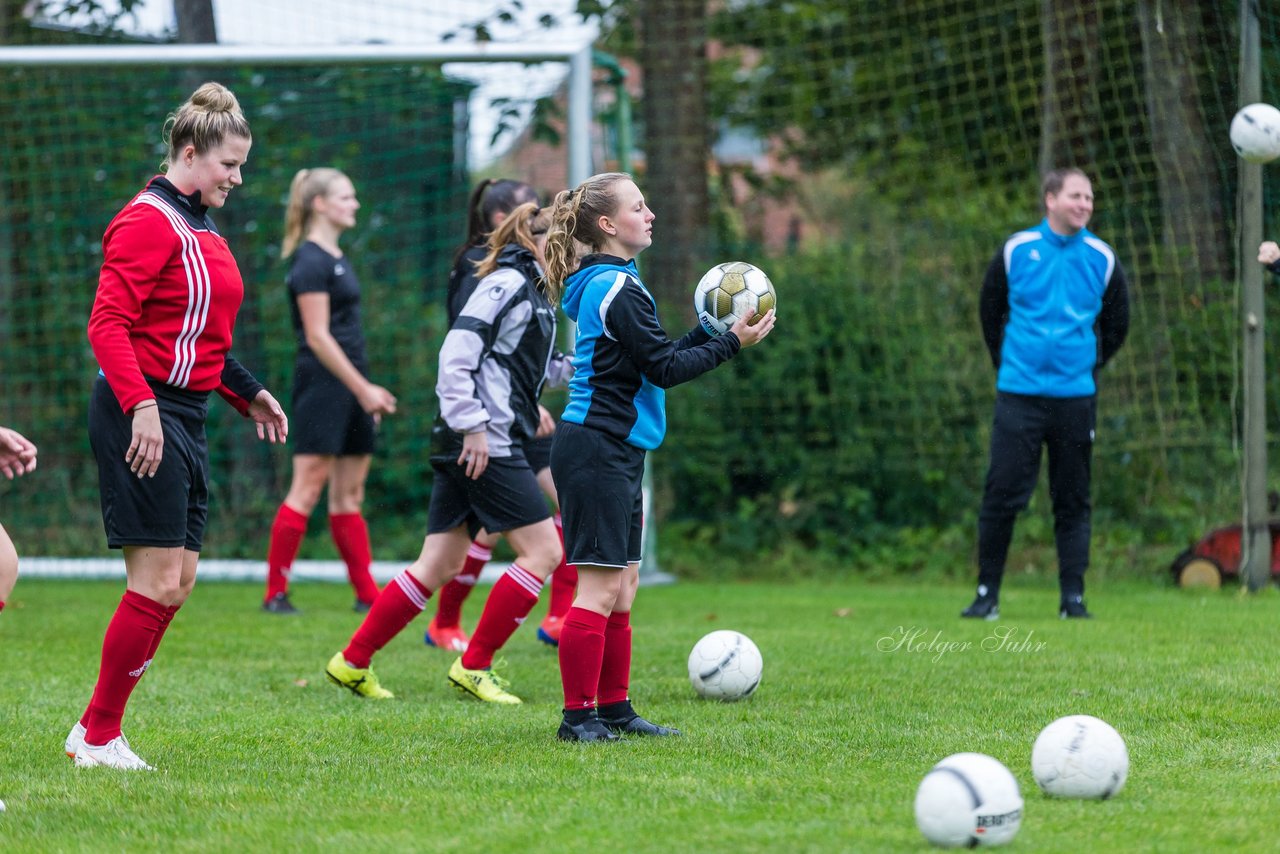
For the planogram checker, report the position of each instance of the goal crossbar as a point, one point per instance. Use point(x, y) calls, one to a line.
point(577, 55)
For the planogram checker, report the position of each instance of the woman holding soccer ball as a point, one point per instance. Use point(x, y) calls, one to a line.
point(161, 329)
point(616, 413)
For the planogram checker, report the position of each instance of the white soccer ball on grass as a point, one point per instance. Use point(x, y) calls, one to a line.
point(969, 800)
point(1080, 756)
point(725, 665)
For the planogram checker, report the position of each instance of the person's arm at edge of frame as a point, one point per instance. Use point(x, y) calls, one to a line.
point(1113, 320)
point(993, 307)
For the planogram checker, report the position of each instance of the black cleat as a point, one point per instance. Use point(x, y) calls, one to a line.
point(622, 719)
point(589, 729)
point(1074, 609)
point(279, 604)
point(983, 608)
point(636, 725)
point(361, 606)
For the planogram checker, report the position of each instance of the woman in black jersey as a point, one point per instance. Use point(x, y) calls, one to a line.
point(336, 408)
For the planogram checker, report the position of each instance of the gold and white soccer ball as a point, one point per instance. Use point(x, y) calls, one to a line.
point(729, 291)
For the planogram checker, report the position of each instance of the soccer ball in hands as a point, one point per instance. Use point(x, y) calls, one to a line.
point(725, 665)
point(1255, 133)
point(729, 291)
point(1080, 756)
point(967, 800)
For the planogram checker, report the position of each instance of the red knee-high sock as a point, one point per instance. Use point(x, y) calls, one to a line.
point(615, 666)
point(581, 654)
point(564, 582)
point(127, 648)
point(510, 601)
point(396, 606)
point(169, 613)
point(287, 532)
point(452, 595)
point(351, 536)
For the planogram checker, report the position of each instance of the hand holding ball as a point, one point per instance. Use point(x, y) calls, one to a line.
point(730, 292)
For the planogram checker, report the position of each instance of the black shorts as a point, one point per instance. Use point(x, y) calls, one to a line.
point(326, 418)
point(169, 510)
point(538, 452)
point(506, 496)
point(599, 480)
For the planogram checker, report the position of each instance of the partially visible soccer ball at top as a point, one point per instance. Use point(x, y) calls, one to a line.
point(729, 291)
point(1080, 756)
point(1255, 133)
point(725, 665)
point(967, 800)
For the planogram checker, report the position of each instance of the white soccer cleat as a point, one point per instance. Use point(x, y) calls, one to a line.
point(116, 753)
point(75, 738)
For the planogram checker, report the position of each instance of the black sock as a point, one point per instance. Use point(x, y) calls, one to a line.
point(618, 711)
point(573, 717)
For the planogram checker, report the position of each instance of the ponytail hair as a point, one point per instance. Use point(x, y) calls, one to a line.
point(306, 186)
point(490, 197)
point(209, 116)
point(523, 226)
point(575, 223)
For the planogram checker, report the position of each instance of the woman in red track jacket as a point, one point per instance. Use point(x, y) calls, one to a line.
point(161, 331)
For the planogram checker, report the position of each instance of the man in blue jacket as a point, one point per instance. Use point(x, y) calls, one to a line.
point(1054, 308)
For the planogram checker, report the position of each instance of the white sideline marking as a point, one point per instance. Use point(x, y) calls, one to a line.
point(225, 570)
point(255, 570)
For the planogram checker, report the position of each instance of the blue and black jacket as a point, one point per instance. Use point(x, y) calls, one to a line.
point(623, 359)
point(1054, 308)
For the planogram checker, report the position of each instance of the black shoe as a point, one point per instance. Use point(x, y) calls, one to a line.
point(1074, 609)
point(589, 729)
point(361, 606)
point(983, 608)
point(279, 604)
point(622, 719)
point(636, 725)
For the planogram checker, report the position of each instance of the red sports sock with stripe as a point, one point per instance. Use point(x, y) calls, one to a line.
point(351, 536)
point(581, 654)
point(396, 606)
point(287, 533)
point(510, 601)
point(127, 648)
point(452, 595)
point(1, 606)
point(169, 614)
point(615, 665)
point(564, 581)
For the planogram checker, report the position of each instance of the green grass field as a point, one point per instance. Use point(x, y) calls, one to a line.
point(259, 752)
